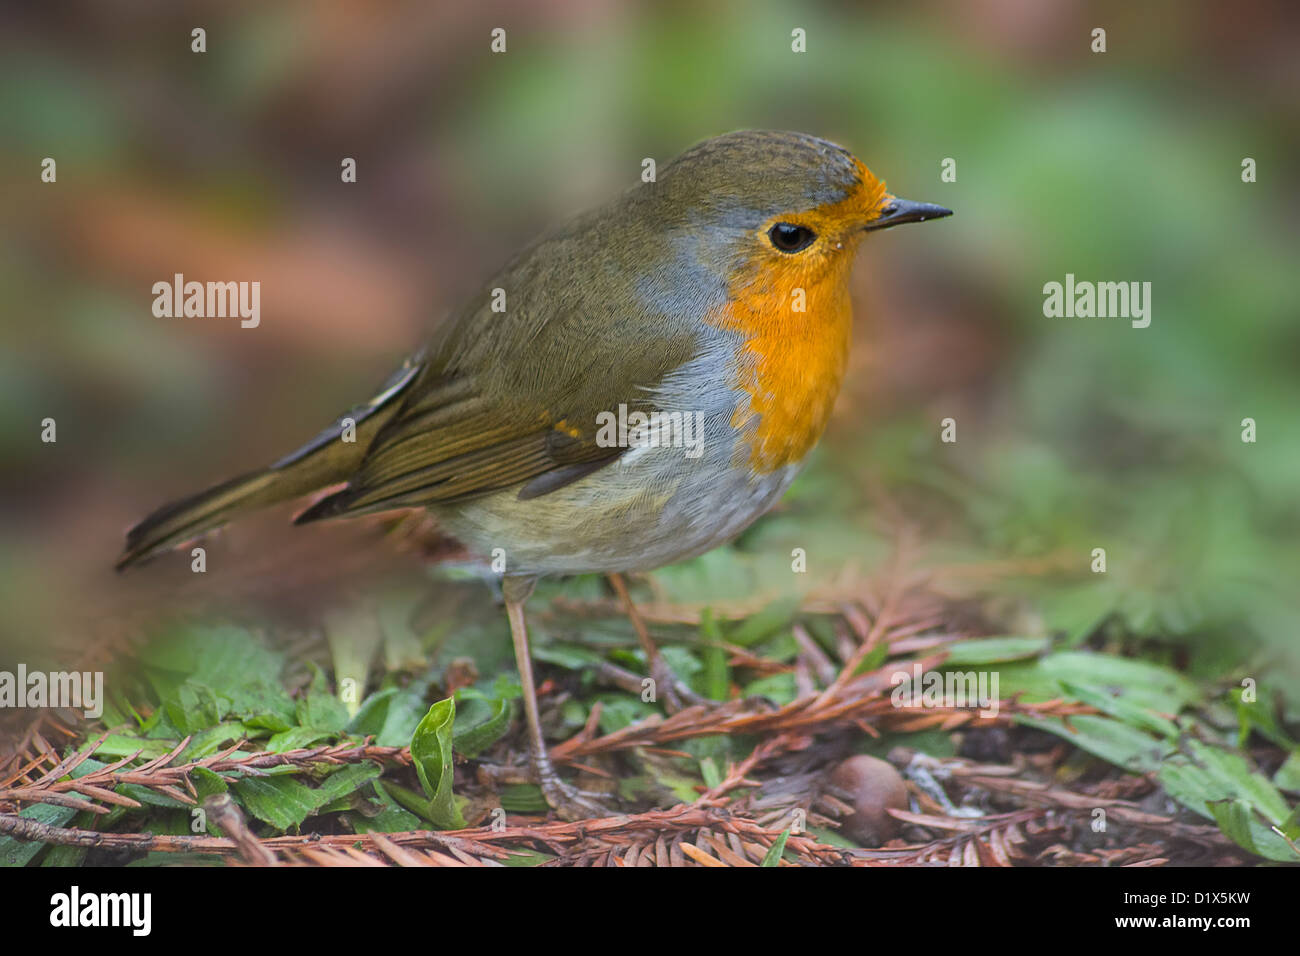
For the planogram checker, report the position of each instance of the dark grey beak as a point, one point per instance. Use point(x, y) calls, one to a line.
point(897, 211)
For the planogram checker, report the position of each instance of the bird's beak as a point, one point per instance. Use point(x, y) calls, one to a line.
point(895, 211)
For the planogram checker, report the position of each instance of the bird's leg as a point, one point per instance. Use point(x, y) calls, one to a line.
point(677, 696)
point(569, 802)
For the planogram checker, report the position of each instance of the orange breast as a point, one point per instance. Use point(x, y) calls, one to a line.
point(793, 361)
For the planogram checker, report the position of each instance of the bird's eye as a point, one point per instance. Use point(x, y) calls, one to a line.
point(788, 237)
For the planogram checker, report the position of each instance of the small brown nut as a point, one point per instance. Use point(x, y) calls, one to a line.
point(873, 785)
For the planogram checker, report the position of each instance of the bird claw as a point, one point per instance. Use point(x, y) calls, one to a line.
point(568, 802)
point(677, 696)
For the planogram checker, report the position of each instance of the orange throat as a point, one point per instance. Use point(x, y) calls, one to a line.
point(795, 318)
point(792, 362)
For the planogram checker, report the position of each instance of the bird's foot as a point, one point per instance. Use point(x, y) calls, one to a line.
point(570, 803)
point(677, 695)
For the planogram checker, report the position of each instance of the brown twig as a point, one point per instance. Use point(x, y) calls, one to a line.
point(570, 842)
point(160, 775)
point(226, 815)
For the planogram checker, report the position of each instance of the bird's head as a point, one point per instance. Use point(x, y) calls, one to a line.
point(782, 208)
point(764, 226)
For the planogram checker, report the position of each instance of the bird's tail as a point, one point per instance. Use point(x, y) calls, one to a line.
point(329, 458)
point(190, 517)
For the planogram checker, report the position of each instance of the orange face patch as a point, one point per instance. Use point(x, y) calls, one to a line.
point(794, 312)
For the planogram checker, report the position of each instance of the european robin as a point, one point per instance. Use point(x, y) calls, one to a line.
point(662, 367)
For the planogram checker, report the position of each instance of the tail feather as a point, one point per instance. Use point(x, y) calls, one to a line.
point(325, 460)
point(185, 519)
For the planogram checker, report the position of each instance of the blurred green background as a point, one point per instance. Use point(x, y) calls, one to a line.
point(1072, 433)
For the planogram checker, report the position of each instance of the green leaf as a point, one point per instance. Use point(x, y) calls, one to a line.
point(993, 650)
point(1108, 739)
point(522, 798)
point(1288, 775)
point(716, 679)
point(504, 687)
point(620, 710)
point(483, 724)
point(874, 659)
point(370, 716)
point(1222, 775)
point(1122, 709)
point(207, 783)
point(1259, 716)
point(569, 656)
point(319, 708)
point(196, 707)
point(1291, 826)
point(296, 738)
point(766, 622)
point(205, 675)
point(390, 819)
point(709, 770)
point(391, 715)
point(431, 751)
point(1077, 610)
point(1220, 785)
point(345, 782)
point(149, 797)
point(831, 837)
point(779, 688)
point(285, 802)
point(414, 801)
point(1150, 685)
point(773, 855)
point(1027, 679)
point(527, 858)
point(1239, 824)
point(207, 742)
point(120, 745)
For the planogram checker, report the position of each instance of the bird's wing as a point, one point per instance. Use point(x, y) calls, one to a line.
point(446, 448)
point(507, 399)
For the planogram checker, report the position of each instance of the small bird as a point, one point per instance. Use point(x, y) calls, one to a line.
point(707, 313)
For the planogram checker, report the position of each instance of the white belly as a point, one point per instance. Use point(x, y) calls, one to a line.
point(651, 506)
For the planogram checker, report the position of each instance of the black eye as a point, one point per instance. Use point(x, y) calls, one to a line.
point(791, 238)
